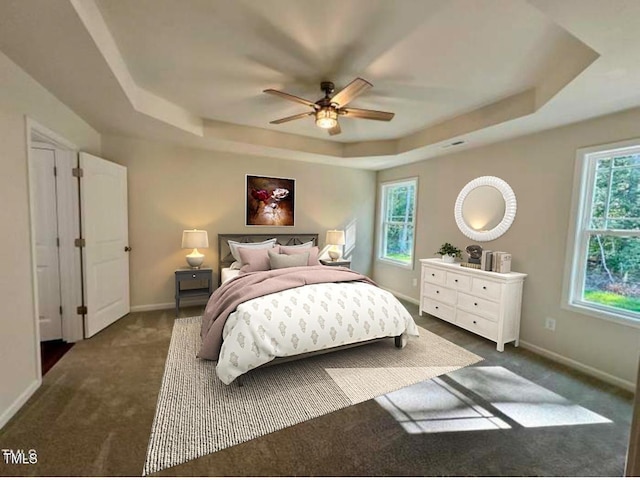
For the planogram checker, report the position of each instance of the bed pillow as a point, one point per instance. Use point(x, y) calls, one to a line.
point(255, 259)
point(233, 245)
point(313, 253)
point(281, 260)
point(308, 244)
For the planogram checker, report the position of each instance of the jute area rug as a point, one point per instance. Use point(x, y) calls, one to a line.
point(197, 414)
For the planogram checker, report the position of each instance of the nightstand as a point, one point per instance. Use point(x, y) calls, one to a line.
point(191, 275)
point(337, 263)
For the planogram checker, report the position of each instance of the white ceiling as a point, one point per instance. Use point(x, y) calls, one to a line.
point(193, 71)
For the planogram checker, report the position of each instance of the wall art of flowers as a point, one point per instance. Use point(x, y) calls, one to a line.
point(270, 201)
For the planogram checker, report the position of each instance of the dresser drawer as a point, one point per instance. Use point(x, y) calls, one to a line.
point(459, 281)
point(477, 324)
point(439, 293)
point(438, 309)
point(433, 275)
point(479, 306)
point(486, 288)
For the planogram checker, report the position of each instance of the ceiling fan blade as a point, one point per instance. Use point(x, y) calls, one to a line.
point(335, 130)
point(368, 114)
point(293, 98)
point(292, 117)
point(351, 91)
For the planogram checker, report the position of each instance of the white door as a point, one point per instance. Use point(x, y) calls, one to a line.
point(103, 191)
point(46, 243)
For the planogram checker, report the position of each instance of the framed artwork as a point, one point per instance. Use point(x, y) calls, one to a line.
point(270, 201)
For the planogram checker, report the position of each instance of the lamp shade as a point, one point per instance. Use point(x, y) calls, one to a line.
point(195, 239)
point(335, 237)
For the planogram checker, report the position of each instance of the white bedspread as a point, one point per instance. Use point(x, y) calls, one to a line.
point(308, 319)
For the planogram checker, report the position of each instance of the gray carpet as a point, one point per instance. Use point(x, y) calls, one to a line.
point(197, 414)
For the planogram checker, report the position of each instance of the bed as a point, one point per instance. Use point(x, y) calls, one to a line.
point(276, 314)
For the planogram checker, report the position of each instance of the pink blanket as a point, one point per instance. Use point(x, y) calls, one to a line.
point(256, 284)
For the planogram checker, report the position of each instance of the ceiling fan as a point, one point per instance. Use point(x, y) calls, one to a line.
point(327, 109)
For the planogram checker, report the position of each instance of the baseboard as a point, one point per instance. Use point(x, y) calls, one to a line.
point(594, 372)
point(402, 296)
point(19, 402)
point(165, 306)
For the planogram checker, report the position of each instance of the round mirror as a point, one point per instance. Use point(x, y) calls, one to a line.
point(485, 208)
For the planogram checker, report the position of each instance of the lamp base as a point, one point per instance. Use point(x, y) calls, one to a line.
point(195, 258)
point(333, 255)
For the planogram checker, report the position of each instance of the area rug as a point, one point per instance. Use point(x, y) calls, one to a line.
point(197, 414)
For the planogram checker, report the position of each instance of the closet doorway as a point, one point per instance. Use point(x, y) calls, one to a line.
point(55, 224)
point(79, 231)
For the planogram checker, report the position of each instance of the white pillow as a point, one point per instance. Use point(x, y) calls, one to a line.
point(302, 245)
point(233, 245)
point(235, 266)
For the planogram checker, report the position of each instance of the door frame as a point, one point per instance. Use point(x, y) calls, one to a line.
point(68, 230)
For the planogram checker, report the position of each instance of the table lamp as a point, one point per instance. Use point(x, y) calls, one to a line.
point(195, 239)
point(335, 238)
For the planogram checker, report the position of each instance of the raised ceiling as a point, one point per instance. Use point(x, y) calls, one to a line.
point(193, 71)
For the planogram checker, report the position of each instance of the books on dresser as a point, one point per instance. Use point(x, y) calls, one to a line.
point(501, 262)
point(485, 260)
point(504, 263)
point(495, 261)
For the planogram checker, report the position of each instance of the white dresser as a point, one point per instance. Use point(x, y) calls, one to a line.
point(486, 303)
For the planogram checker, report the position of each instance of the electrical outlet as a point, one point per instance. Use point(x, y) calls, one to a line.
point(415, 282)
point(550, 324)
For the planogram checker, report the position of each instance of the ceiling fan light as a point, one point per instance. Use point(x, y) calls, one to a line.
point(327, 118)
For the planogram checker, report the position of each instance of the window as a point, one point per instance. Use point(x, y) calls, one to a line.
point(605, 270)
point(397, 225)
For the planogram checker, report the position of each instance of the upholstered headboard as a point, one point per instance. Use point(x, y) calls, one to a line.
point(225, 259)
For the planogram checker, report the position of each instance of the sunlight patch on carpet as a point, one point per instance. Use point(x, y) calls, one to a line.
point(482, 398)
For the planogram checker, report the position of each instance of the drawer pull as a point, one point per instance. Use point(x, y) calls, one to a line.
point(433, 274)
point(194, 275)
point(456, 280)
point(475, 304)
point(484, 288)
point(437, 291)
point(475, 321)
point(436, 308)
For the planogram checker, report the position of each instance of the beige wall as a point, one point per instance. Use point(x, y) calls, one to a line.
point(20, 95)
point(539, 168)
point(172, 188)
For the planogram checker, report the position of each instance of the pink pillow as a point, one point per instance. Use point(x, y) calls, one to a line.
point(255, 259)
point(313, 253)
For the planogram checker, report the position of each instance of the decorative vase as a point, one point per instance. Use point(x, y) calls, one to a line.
point(448, 258)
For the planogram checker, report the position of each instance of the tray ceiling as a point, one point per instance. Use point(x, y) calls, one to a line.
point(193, 71)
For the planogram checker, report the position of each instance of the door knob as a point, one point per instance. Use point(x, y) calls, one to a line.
point(127, 249)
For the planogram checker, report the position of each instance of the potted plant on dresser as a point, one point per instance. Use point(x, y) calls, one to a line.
point(449, 253)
